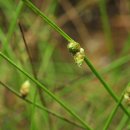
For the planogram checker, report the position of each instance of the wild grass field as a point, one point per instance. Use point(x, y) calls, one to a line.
point(64, 65)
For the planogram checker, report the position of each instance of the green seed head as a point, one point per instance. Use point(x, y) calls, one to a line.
point(73, 47)
point(79, 58)
point(25, 88)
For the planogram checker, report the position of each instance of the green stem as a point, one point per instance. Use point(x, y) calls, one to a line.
point(114, 110)
point(107, 87)
point(47, 91)
point(40, 107)
point(47, 20)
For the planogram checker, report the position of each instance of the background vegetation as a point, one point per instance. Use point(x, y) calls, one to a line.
point(102, 29)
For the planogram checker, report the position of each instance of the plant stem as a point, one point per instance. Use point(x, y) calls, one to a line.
point(114, 110)
point(46, 19)
point(107, 87)
point(47, 91)
point(40, 107)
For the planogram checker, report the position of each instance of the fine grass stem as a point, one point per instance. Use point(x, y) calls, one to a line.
point(107, 87)
point(47, 91)
point(114, 110)
point(46, 19)
point(41, 107)
point(88, 62)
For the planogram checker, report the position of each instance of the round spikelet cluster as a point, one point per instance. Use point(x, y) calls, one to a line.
point(73, 47)
point(24, 90)
point(77, 52)
point(127, 97)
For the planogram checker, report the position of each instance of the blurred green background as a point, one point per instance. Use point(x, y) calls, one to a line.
point(100, 26)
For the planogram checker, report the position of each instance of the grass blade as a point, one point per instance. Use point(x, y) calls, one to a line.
point(47, 20)
point(47, 91)
point(40, 107)
point(107, 87)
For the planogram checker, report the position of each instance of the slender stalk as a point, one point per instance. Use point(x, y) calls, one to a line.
point(35, 76)
point(47, 20)
point(27, 50)
point(41, 107)
point(114, 110)
point(47, 91)
point(106, 86)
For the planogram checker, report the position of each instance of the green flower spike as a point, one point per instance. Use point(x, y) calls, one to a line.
point(79, 57)
point(73, 47)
